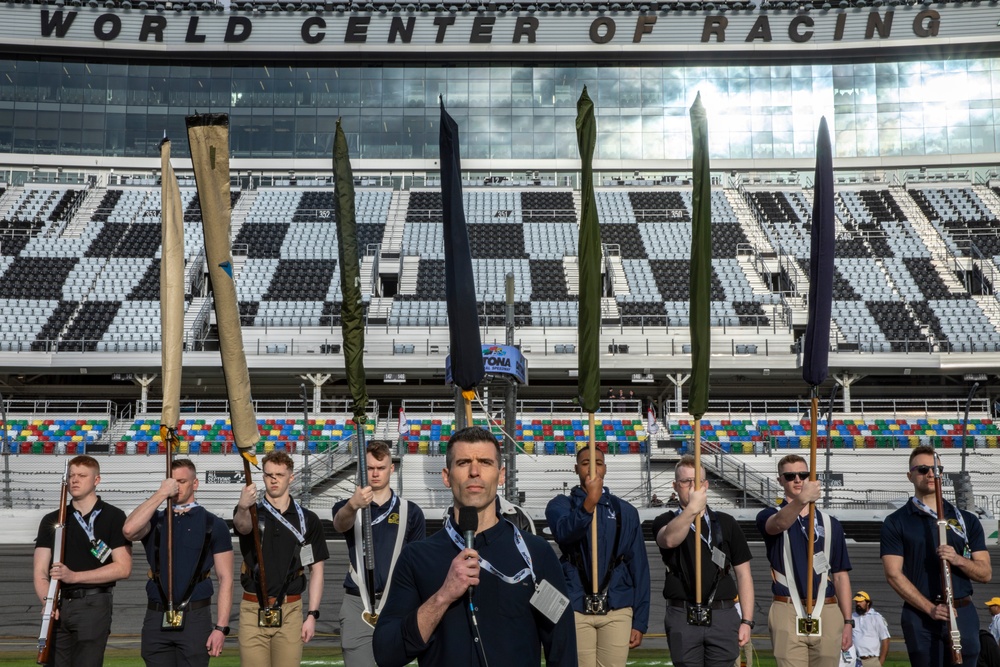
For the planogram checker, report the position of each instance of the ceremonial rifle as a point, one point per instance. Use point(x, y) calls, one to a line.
point(52, 598)
point(947, 588)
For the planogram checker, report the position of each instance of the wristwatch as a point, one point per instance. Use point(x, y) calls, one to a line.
point(849, 621)
point(749, 622)
point(224, 629)
point(314, 613)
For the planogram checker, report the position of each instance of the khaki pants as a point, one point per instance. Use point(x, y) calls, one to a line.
point(871, 662)
point(271, 647)
point(602, 641)
point(791, 650)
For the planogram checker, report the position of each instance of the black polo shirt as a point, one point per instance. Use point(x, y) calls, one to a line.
point(191, 529)
point(281, 550)
point(76, 555)
point(725, 535)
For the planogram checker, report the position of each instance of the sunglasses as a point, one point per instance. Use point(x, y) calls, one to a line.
point(921, 470)
point(790, 476)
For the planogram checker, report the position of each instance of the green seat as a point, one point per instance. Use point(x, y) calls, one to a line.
point(217, 449)
point(37, 448)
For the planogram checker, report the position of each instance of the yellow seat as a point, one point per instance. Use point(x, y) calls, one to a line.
point(991, 441)
point(421, 449)
point(184, 449)
point(529, 448)
point(268, 448)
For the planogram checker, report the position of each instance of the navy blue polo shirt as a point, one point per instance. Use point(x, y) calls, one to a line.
point(384, 537)
point(570, 525)
point(797, 533)
point(912, 534)
point(513, 633)
point(108, 527)
point(190, 533)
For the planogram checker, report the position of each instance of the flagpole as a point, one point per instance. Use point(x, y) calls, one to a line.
point(589, 320)
point(815, 357)
point(696, 484)
point(811, 531)
point(352, 326)
point(700, 309)
point(592, 444)
point(171, 336)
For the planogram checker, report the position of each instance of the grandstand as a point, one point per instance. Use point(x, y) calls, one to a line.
point(910, 91)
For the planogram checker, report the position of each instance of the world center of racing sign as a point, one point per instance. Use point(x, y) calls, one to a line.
point(445, 33)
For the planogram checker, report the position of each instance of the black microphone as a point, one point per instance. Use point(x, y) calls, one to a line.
point(468, 524)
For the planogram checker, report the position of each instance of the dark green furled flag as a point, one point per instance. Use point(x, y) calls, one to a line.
point(701, 263)
point(589, 323)
point(352, 312)
point(816, 354)
point(467, 368)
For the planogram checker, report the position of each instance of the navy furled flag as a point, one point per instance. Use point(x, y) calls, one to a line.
point(460, 285)
point(701, 263)
point(816, 354)
point(589, 323)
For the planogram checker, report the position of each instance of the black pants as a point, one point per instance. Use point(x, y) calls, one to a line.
point(177, 648)
point(82, 631)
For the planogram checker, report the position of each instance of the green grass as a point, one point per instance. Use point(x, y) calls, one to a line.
point(329, 656)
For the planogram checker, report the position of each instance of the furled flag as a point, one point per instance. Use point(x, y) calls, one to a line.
point(816, 355)
point(467, 368)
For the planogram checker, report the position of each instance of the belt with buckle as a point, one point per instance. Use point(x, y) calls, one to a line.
point(78, 593)
point(196, 604)
point(784, 598)
point(250, 597)
point(717, 604)
point(867, 657)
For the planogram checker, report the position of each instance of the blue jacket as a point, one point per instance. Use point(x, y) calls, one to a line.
point(570, 525)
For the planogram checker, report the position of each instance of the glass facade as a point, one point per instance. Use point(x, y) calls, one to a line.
point(505, 111)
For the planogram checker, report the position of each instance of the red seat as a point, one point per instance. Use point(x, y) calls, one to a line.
point(141, 447)
point(71, 448)
point(49, 447)
point(120, 449)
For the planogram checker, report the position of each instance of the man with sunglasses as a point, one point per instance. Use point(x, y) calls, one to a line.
point(912, 559)
point(723, 553)
point(785, 529)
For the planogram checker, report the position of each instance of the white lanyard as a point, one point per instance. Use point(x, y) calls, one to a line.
point(181, 509)
point(958, 530)
point(385, 515)
point(486, 565)
point(707, 540)
point(89, 529)
point(299, 536)
point(818, 530)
